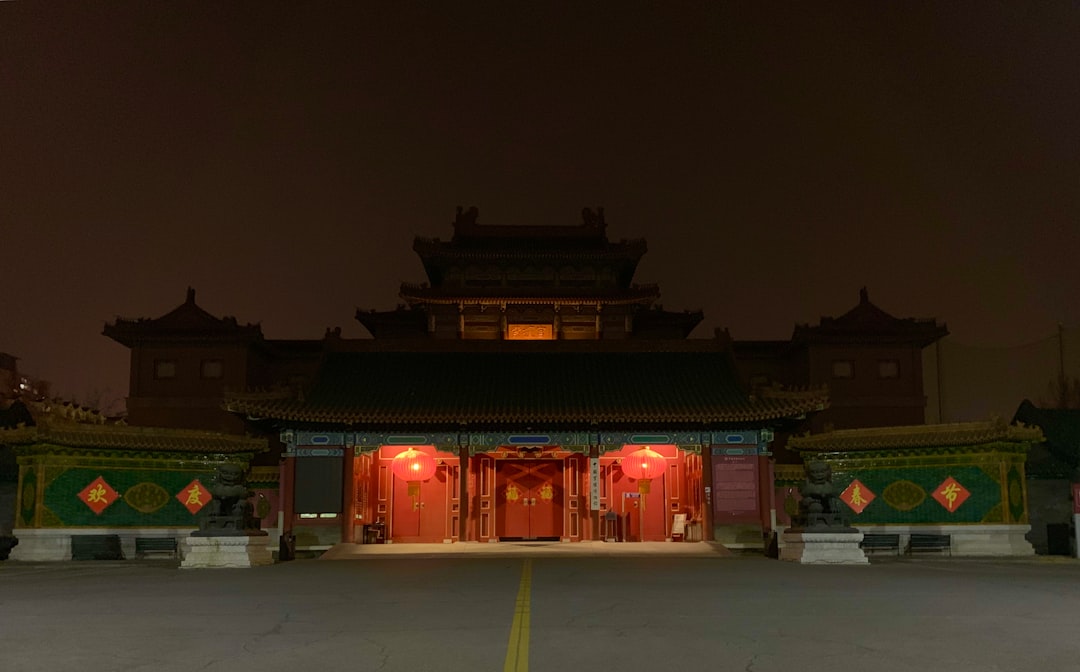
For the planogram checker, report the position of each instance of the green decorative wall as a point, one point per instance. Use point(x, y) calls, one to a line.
point(147, 490)
point(903, 484)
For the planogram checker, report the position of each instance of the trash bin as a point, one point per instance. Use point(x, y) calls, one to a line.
point(1057, 539)
point(287, 547)
point(611, 526)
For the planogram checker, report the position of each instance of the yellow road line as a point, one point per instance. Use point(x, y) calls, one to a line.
point(517, 652)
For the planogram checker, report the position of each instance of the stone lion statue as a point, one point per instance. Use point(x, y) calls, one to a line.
point(229, 512)
point(820, 506)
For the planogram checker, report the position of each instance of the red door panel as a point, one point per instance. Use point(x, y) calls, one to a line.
point(546, 501)
point(420, 519)
point(529, 499)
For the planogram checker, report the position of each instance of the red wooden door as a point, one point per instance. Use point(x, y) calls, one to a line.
point(529, 499)
point(423, 518)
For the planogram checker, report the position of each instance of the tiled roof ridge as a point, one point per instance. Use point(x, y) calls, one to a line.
point(459, 248)
point(66, 411)
point(275, 393)
point(959, 433)
point(777, 391)
point(421, 292)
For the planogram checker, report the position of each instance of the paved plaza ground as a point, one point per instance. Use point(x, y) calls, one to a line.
point(545, 608)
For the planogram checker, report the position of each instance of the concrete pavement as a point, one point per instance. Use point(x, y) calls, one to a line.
point(447, 612)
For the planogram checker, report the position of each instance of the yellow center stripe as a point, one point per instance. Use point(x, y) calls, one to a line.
point(517, 652)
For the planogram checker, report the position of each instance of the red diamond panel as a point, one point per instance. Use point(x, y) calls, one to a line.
point(857, 496)
point(194, 496)
point(951, 494)
point(98, 495)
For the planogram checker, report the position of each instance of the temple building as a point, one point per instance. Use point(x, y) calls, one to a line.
point(530, 380)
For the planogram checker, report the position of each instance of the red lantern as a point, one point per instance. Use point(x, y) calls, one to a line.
point(644, 465)
point(413, 466)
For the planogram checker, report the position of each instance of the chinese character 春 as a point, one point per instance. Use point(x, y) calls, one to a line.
point(856, 496)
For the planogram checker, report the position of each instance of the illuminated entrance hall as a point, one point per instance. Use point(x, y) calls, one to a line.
point(527, 442)
point(524, 493)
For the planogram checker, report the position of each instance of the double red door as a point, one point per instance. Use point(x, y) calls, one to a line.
point(529, 499)
point(420, 517)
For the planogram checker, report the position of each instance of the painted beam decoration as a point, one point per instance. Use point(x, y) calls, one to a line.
point(735, 442)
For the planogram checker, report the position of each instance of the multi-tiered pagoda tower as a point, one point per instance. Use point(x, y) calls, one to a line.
point(498, 282)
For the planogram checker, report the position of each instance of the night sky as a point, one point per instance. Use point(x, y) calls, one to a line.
point(281, 157)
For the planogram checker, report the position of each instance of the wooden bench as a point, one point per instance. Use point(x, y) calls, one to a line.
point(881, 542)
point(930, 542)
point(147, 545)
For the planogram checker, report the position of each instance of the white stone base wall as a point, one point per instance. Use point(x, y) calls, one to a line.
point(54, 544)
point(966, 540)
point(214, 552)
point(827, 548)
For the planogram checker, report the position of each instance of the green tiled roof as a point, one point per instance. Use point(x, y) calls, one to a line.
point(123, 437)
point(914, 436)
point(526, 387)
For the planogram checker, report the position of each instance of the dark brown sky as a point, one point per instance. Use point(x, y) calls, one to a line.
point(280, 158)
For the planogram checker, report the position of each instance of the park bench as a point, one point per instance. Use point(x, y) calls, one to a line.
point(929, 542)
point(881, 542)
point(147, 545)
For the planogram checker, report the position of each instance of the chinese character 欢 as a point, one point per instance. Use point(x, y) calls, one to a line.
point(96, 494)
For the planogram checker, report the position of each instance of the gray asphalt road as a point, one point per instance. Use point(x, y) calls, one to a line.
point(464, 614)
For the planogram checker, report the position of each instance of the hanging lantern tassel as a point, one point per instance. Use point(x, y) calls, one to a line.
point(643, 488)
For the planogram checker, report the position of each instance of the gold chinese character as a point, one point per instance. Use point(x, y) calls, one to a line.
point(856, 496)
point(194, 496)
point(950, 492)
point(96, 494)
point(546, 492)
point(511, 493)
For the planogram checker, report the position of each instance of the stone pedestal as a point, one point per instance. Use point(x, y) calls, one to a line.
point(226, 551)
point(823, 548)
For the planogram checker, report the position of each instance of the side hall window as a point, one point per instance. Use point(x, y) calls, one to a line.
point(164, 368)
point(888, 368)
point(212, 368)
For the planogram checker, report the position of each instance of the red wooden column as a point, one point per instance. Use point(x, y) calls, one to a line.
point(465, 522)
point(348, 496)
point(707, 490)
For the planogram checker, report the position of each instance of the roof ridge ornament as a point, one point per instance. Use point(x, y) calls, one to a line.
point(593, 219)
point(466, 218)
